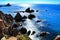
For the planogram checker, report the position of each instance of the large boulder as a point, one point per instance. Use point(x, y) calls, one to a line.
point(23, 30)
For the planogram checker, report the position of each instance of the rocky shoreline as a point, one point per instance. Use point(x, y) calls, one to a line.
point(9, 30)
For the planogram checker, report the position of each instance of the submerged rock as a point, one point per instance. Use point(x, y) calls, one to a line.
point(39, 21)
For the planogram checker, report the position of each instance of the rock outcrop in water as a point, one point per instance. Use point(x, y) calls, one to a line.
point(23, 30)
point(33, 33)
point(28, 33)
point(31, 16)
point(19, 18)
point(8, 4)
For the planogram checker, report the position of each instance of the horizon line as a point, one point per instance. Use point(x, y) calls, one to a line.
point(30, 3)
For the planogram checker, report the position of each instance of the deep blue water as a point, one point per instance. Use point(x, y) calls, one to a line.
point(52, 15)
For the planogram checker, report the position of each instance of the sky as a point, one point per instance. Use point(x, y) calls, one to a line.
point(30, 1)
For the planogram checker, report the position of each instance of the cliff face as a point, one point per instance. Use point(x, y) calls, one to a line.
point(9, 29)
point(7, 18)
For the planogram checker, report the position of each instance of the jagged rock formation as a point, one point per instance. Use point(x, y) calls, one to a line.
point(10, 29)
point(18, 17)
point(7, 18)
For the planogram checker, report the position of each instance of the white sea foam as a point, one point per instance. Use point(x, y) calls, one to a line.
point(30, 25)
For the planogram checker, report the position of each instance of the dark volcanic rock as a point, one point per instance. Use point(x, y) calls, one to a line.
point(28, 33)
point(37, 10)
point(28, 10)
point(31, 16)
point(23, 30)
point(33, 33)
point(24, 17)
point(18, 17)
point(39, 21)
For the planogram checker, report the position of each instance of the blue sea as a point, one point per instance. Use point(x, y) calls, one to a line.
point(52, 15)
